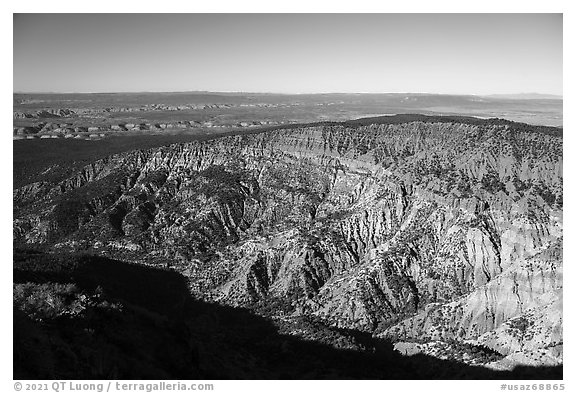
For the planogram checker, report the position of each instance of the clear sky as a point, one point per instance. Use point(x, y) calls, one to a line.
point(289, 53)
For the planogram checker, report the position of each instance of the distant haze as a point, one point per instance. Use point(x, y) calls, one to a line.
point(289, 53)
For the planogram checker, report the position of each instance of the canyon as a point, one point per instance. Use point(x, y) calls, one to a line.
point(442, 235)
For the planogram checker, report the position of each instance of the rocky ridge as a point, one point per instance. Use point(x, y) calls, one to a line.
point(431, 230)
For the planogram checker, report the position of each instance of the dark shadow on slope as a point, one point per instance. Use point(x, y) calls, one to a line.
point(137, 322)
point(31, 158)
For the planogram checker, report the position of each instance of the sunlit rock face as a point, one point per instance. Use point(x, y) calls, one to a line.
point(421, 231)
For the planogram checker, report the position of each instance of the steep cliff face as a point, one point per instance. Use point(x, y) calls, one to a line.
point(518, 314)
point(422, 230)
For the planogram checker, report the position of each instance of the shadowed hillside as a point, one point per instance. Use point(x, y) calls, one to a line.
point(87, 317)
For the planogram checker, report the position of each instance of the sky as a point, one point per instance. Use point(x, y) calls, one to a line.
point(289, 53)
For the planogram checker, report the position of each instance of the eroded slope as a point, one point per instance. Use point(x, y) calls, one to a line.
point(431, 231)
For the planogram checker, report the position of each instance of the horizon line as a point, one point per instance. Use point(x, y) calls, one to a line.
point(558, 96)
